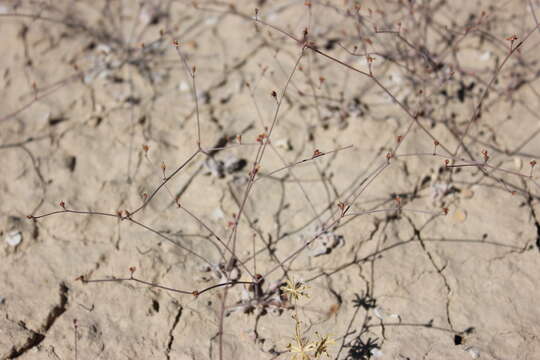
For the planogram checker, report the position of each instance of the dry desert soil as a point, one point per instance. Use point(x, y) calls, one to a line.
point(170, 169)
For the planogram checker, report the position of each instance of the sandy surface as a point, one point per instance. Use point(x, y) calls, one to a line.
point(86, 84)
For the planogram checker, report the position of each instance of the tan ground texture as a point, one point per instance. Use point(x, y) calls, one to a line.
point(87, 84)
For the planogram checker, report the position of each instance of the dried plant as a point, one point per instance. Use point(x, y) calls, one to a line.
point(309, 141)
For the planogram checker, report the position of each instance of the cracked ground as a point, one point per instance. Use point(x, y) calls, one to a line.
point(387, 150)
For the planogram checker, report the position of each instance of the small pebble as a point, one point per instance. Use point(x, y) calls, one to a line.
point(14, 238)
point(218, 214)
point(485, 56)
point(283, 144)
point(235, 274)
point(183, 86)
point(211, 20)
point(376, 353)
point(474, 352)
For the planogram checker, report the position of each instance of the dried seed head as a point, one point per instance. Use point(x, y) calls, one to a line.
point(254, 171)
point(512, 38)
point(485, 155)
point(342, 206)
point(435, 144)
point(533, 164)
point(261, 137)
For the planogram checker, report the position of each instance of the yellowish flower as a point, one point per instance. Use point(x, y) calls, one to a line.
point(303, 348)
point(295, 290)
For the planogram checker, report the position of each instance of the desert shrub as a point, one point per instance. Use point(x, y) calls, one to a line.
point(185, 167)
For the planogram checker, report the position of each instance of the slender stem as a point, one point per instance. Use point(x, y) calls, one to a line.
point(165, 181)
point(191, 74)
point(167, 288)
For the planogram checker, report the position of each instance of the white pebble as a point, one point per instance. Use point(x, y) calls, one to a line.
point(474, 352)
point(485, 56)
point(103, 48)
point(183, 86)
point(211, 20)
point(376, 353)
point(379, 313)
point(14, 238)
point(218, 214)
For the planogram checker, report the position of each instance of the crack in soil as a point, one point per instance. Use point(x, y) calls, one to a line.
point(438, 269)
point(171, 331)
point(31, 342)
point(37, 337)
point(536, 223)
